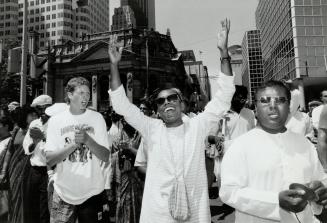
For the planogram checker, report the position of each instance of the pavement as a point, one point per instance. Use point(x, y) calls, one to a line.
point(220, 212)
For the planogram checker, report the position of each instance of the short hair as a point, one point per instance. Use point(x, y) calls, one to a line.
point(6, 121)
point(274, 84)
point(240, 89)
point(322, 92)
point(20, 114)
point(75, 82)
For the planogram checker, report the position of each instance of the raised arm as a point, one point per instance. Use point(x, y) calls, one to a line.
point(222, 45)
point(118, 97)
point(222, 99)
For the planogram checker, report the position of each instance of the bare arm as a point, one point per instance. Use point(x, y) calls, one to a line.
point(54, 157)
point(222, 45)
point(115, 54)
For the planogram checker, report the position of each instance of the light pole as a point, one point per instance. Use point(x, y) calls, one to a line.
point(23, 69)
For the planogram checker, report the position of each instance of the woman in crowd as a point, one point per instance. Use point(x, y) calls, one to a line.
point(18, 165)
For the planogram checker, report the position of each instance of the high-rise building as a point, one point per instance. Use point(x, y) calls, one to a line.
point(56, 20)
point(198, 74)
point(8, 19)
point(252, 69)
point(138, 14)
point(235, 52)
point(294, 42)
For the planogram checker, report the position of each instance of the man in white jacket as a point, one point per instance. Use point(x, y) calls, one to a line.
point(175, 147)
point(260, 166)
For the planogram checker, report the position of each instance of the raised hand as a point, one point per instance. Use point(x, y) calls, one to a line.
point(223, 35)
point(115, 52)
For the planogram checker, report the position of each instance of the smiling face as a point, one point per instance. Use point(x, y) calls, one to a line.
point(79, 99)
point(273, 108)
point(170, 110)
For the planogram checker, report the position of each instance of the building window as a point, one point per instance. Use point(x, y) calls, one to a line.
point(48, 8)
point(53, 33)
point(53, 25)
point(54, 16)
point(53, 7)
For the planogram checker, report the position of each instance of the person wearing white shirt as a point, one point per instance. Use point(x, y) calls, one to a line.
point(260, 166)
point(317, 111)
point(175, 147)
point(77, 143)
point(33, 145)
point(298, 122)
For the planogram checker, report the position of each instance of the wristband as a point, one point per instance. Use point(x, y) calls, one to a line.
point(225, 58)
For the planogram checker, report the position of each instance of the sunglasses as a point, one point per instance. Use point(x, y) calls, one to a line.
point(264, 100)
point(170, 98)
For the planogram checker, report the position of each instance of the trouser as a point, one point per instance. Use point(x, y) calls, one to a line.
point(37, 196)
point(91, 211)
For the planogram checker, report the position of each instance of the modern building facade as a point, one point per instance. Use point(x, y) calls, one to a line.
point(198, 76)
point(56, 20)
point(252, 69)
point(294, 42)
point(235, 52)
point(8, 19)
point(138, 14)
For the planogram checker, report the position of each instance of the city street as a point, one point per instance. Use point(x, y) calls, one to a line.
point(220, 212)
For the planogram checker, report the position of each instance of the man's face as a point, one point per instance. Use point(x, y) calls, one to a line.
point(40, 110)
point(272, 109)
point(169, 106)
point(145, 109)
point(324, 97)
point(80, 97)
point(238, 101)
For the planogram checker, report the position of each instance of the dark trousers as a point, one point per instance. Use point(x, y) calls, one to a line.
point(36, 198)
point(91, 211)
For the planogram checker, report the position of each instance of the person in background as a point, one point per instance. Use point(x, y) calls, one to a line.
point(6, 127)
point(260, 167)
point(298, 122)
point(317, 111)
point(33, 145)
point(235, 122)
point(19, 165)
point(176, 162)
point(312, 105)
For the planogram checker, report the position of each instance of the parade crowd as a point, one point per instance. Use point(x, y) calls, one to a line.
point(157, 161)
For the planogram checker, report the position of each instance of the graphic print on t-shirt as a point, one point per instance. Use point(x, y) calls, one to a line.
point(82, 152)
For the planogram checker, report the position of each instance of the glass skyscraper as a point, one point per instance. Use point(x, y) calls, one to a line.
point(294, 42)
point(252, 69)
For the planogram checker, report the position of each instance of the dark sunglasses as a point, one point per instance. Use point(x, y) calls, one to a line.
point(264, 100)
point(170, 98)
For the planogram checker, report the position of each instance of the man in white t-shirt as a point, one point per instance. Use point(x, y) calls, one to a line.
point(76, 143)
point(175, 147)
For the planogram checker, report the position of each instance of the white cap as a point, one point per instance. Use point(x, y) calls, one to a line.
point(56, 109)
point(42, 100)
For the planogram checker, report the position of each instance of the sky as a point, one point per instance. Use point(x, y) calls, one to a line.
point(194, 24)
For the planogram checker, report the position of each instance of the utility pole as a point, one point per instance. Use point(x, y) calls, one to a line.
point(23, 70)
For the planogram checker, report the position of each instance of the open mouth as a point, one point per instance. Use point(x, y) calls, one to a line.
point(169, 109)
point(84, 103)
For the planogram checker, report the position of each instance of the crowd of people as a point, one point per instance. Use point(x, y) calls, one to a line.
point(65, 162)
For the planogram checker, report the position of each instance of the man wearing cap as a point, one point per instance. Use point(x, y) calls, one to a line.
point(34, 147)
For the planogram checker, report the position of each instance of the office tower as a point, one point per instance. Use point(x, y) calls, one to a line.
point(235, 52)
point(8, 19)
point(294, 42)
point(252, 69)
point(138, 14)
point(57, 21)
